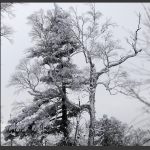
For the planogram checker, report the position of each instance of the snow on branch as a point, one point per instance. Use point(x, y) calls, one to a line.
point(123, 59)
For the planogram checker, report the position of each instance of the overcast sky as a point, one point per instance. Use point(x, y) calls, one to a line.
point(123, 14)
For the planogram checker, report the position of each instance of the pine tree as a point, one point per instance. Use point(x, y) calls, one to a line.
point(51, 110)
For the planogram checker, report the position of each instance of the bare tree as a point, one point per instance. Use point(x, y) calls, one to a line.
point(139, 88)
point(27, 76)
point(6, 30)
point(7, 8)
point(97, 43)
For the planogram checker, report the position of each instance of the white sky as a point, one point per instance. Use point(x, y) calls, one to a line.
point(122, 13)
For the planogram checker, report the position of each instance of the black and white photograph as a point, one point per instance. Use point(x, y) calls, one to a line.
point(75, 74)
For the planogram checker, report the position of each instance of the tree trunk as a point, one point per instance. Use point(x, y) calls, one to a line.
point(92, 105)
point(11, 142)
point(64, 115)
point(77, 126)
point(41, 141)
point(92, 120)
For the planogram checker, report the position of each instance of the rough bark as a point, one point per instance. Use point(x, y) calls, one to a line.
point(92, 105)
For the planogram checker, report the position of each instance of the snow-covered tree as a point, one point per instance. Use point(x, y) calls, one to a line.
point(112, 132)
point(97, 43)
point(139, 88)
point(11, 143)
point(51, 109)
point(59, 45)
point(6, 30)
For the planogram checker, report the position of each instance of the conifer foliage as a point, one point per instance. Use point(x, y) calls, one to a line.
point(57, 37)
point(50, 112)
